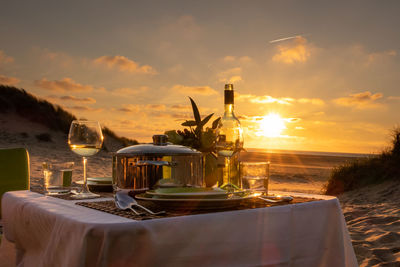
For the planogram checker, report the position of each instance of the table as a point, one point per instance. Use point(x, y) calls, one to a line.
point(48, 231)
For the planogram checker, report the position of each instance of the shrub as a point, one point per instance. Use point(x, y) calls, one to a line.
point(363, 172)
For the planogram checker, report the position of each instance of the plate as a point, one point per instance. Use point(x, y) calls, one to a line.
point(99, 184)
point(188, 192)
point(100, 180)
point(229, 201)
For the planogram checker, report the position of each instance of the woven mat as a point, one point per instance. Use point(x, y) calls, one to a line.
point(109, 207)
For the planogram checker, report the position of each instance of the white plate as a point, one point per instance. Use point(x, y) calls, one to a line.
point(195, 204)
point(100, 180)
point(188, 192)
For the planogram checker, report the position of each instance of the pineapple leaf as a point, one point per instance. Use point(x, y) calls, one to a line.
point(215, 123)
point(206, 119)
point(196, 112)
point(189, 123)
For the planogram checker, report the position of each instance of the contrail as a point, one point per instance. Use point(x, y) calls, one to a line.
point(288, 38)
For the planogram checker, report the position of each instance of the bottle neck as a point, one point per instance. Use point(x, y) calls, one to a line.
point(228, 110)
point(228, 100)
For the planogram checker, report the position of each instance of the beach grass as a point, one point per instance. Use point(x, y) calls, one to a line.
point(367, 171)
point(54, 117)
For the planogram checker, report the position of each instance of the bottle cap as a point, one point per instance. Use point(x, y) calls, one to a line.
point(228, 86)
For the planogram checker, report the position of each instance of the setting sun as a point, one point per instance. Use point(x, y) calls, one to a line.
point(271, 125)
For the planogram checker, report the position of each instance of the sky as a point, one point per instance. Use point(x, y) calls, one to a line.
point(308, 75)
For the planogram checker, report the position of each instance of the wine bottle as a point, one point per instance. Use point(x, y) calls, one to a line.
point(229, 142)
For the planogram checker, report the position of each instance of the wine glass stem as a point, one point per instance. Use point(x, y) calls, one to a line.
point(85, 188)
point(228, 161)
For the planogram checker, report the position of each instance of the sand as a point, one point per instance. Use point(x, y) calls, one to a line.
point(372, 214)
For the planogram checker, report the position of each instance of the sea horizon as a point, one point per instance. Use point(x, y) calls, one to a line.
point(306, 152)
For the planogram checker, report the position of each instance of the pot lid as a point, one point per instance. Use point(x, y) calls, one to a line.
point(159, 146)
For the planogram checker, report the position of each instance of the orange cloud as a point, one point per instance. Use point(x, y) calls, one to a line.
point(8, 80)
point(181, 107)
point(198, 90)
point(231, 75)
point(4, 58)
point(129, 108)
point(314, 101)
point(242, 59)
point(155, 107)
point(280, 100)
point(360, 100)
point(124, 64)
point(66, 84)
point(126, 91)
point(71, 98)
point(264, 99)
point(296, 51)
point(85, 108)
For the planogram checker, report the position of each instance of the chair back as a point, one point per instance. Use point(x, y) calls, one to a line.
point(14, 170)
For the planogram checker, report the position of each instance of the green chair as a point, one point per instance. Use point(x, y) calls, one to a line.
point(14, 170)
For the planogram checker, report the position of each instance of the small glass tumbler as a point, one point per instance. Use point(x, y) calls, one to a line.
point(255, 176)
point(57, 177)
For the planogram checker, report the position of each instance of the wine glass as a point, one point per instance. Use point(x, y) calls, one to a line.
point(85, 139)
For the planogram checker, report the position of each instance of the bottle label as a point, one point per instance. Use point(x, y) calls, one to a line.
point(228, 96)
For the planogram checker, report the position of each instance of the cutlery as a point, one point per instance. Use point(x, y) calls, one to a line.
point(123, 205)
point(275, 199)
point(129, 202)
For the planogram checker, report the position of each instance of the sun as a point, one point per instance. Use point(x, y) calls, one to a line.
point(271, 125)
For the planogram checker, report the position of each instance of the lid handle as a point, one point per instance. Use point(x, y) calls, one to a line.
point(160, 140)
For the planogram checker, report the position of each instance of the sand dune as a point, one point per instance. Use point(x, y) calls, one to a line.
point(372, 214)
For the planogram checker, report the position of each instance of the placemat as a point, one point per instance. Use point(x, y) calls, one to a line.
point(109, 207)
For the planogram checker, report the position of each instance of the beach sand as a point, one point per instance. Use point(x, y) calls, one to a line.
point(372, 214)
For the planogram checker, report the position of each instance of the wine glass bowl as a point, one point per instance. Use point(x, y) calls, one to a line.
point(85, 139)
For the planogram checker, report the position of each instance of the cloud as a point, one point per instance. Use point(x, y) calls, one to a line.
point(4, 58)
point(8, 80)
point(361, 100)
point(85, 108)
point(198, 90)
point(264, 99)
point(181, 107)
point(380, 56)
point(156, 107)
point(281, 100)
point(314, 101)
point(242, 59)
point(230, 75)
point(129, 108)
point(66, 84)
point(71, 98)
point(292, 52)
point(229, 59)
point(126, 91)
point(60, 58)
point(396, 98)
point(124, 64)
point(184, 27)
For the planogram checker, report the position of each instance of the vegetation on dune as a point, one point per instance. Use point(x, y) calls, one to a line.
point(24, 104)
point(367, 171)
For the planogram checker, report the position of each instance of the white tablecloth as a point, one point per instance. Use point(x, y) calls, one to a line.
point(53, 232)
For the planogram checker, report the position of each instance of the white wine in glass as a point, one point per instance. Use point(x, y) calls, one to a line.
point(85, 139)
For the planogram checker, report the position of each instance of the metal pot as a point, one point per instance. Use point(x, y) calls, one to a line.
point(141, 167)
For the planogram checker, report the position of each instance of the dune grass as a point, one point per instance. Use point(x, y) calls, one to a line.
point(367, 171)
point(54, 117)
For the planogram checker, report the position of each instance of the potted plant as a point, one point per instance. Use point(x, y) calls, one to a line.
point(200, 138)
